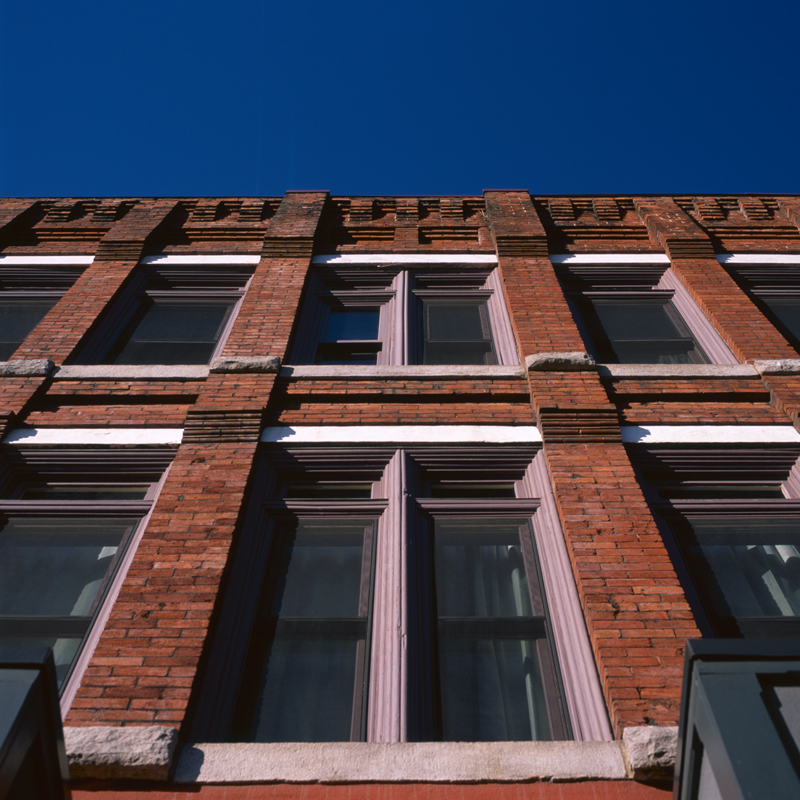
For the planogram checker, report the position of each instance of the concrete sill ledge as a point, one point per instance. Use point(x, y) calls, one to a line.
point(131, 372)
point(426, 762)
point(677, 371)
point(419, 372)
point(150, 752)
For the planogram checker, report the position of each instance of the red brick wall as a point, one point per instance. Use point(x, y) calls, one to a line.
point(637, 616)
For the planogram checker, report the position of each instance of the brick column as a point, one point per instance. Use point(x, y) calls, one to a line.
point(143, 668)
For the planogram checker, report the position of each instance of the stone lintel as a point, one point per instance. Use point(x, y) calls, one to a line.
point(245, 364)
point(27, 368)
point(144, 753)
point(650, 751)
point(576, 361)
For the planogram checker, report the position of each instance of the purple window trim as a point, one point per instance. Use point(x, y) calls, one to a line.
point(585, 702)
point(399, 327)
point(397, 475)
point(704, 332)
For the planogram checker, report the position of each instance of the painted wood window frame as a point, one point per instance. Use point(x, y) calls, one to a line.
point(22, 468)
point(585, 281)
point(680, 484)
point(181, 283)
point(28, 283)
point(398, 292)
point(400, 672)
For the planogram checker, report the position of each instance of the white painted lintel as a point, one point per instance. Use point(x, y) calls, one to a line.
point(402, 434)
point(610, 258)
point(758, 258)
point(184, 260)
point(710, 434)
point(406, 258)
point(95, 436)
point(45, 261)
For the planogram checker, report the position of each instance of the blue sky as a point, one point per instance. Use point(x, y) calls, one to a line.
point(254, 98)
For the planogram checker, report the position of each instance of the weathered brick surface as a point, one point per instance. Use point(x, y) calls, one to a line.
point(635, 608)
point(144, 668)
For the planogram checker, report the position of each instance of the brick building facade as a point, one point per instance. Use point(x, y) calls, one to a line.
point(311, 341)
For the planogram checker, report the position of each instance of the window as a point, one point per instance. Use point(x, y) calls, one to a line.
point(775, 289)
point(640, 314)
point(390, 595)
point(388, 315)
point(27, 293)
point(732, 522)
point(169, 315)
point(67, 522)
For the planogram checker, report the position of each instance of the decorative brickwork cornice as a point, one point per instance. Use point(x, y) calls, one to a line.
point(207, 426)
point(672, 229)
point(126, 239)
point(292, 230)
point(579, 425)
point(517, 231)
point(790, 208)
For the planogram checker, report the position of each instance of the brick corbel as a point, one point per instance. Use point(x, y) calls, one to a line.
point(579, 424)
point(292, 230)
point(126, 239)
point(672, 229)
point(517, 231)
point(790, 208)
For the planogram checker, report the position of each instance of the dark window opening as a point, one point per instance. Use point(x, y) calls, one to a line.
point(640, 330)
point(17, 319)
point(457, 333)
point(351, 337)
point(307, 671)
point(492, 643)
point(165, 332)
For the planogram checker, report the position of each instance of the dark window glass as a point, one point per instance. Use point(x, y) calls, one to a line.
point(747, 571)
point(640, 330)
point(457, 333)
point(53, 575)
point(787, 312)
point(83, 492)
point(351, 337)
point(17, 319)
point(307, 666)
point(166, 332)
point(491, 683)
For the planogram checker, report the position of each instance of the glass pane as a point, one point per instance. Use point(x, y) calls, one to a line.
point(452, 322)
point(17, 320)
point(329, 491)
point(643, 330)
point(306, 691)
point(458, 353)
point(320, 571)
point(787, 310)
point(64, 649)
point(56, 567)
point(351, 323)
point(172, 333)
point(85, 492)
point(747, 568)
point(480, 571)
point(339, 353)
point(491, 691)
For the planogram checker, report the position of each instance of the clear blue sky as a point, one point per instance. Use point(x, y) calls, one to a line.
point(439, 97)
